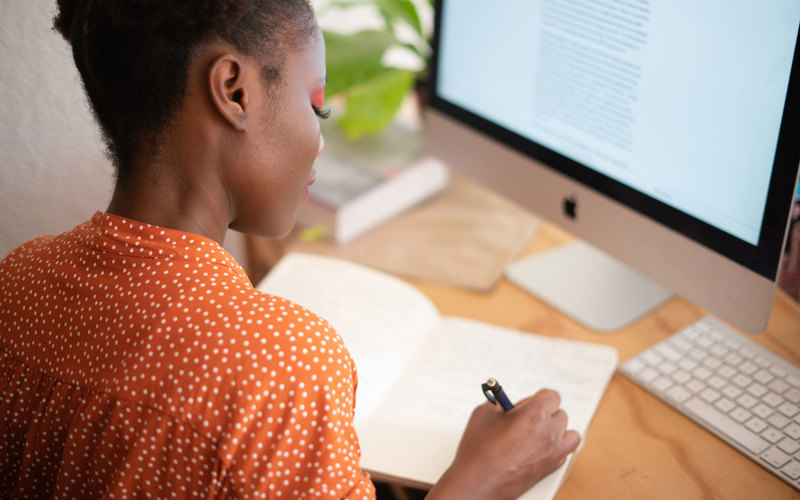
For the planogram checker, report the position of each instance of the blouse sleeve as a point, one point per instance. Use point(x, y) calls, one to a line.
point(292, 425)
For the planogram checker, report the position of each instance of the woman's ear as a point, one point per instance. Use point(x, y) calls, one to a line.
point(227, 89)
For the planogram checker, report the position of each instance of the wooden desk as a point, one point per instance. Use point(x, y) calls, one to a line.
point(637, 446)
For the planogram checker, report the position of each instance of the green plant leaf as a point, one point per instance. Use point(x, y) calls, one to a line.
point(354, 59)
point(372, 106)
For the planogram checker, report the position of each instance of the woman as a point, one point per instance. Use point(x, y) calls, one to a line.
point(136, 358)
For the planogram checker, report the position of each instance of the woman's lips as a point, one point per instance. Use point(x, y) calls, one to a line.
point(310, 182)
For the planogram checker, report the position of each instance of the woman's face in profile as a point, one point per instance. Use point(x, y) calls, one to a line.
point(276, 169)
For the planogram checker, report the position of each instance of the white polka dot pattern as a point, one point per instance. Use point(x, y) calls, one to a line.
point(138, 361)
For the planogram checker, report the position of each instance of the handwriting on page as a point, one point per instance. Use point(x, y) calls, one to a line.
point(441, 385)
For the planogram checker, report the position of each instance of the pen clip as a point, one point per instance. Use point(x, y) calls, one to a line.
point(489, 393)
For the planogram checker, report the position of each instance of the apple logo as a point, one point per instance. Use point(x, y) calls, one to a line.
point(571, 207)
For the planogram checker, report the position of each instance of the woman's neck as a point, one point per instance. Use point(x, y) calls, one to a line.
point(177, 194)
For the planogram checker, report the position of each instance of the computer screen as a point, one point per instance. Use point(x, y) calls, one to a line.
point(673, 126)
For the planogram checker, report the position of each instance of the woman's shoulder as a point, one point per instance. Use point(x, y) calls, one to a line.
point(39, 254)
point(271, 333)
point(229, 357)
point(276, 320)
point(42, 245)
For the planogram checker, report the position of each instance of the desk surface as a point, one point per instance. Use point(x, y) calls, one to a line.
point(637, 446)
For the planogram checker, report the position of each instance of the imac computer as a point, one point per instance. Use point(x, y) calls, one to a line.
point(664, 135)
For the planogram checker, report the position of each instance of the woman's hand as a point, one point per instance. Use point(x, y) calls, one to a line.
point(503, 454)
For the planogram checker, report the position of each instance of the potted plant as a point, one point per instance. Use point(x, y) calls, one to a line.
point(368, 79)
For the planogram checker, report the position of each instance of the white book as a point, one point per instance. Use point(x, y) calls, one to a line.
point(420, 373)
point(349, 199)
point(362, 184)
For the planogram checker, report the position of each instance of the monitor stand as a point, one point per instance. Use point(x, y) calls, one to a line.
point(587, 285)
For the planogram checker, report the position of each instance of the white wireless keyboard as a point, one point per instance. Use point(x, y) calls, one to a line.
point(732, 386)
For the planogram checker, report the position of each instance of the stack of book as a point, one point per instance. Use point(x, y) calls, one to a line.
point(360, 185)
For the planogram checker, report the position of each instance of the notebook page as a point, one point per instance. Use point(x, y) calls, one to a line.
point(381, 318)
point(415, 431)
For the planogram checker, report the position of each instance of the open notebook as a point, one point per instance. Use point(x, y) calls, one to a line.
point(420, 373)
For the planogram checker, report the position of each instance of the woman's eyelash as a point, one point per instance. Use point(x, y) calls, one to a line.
point(321, 112)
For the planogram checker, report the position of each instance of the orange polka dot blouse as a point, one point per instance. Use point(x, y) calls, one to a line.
point(139, 361)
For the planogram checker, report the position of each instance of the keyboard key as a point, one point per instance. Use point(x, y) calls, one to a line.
point(695, 385)
point(726, 371)
point(731, 344)
point(772, 399)
point(687, 364)
point(762, 410)
point(661, 383)
point(762, 361)
point(788, 445)
point(680, 376)
point(733, 358)
point(700, 327)
point(793, 431)
point(667, 368)
point(772, 435)
point(778, 421)
point(792, 395)
point(725, 405)
point(746, 352)
point(701, 373)
point(668, 352)
point(748, 368)
point(717, 382)
point(793, 381)
point(704, 342)
point(789, 409)
point(756, 425)
point(727, 426)
point(792, 469)
point(718, 350)
point(741, 380)
point(775, 457)
point(697, 354)
point(651, 358)
point(634, 365)
point(763, 376)
point(690, 333)
point(680, 343)
point(778, 385)
point(677, 394)
point(756, 389)
point(740, 415)
point(709, 395)
point(648, 374)
point(777, 371)
point(731, 391)
point(746, 401)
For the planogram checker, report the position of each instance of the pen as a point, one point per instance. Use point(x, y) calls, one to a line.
point(494, 393)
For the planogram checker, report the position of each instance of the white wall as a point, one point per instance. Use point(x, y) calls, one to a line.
point(53, 172)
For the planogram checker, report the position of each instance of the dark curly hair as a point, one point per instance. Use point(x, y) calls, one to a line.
point(133, 55)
